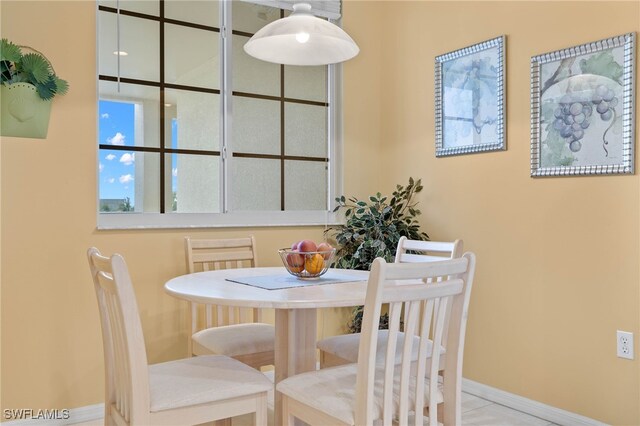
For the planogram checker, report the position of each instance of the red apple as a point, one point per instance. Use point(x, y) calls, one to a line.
point(295, 262)
point(306, 246)
point(326, 248)
point(294, 246)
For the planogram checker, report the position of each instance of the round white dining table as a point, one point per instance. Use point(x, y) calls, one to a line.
point(295, 309)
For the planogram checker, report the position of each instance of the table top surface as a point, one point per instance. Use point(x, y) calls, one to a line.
point(212, 287)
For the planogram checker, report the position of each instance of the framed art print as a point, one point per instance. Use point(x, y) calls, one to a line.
point(469, 99)
point(582, 109)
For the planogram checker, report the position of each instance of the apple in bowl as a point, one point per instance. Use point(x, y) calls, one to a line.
point(306, 259)
point(295, 262)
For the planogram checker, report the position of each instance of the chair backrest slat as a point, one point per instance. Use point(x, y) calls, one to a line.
point(415, 258)
point(416, 251)
point(441, 250)
point(426, 309)
point(407, 350)
point(126, 373)
point(217, 254)
point(395, 312)
point(425, 325)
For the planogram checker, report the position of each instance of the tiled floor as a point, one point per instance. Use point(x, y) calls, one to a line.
point(475, 411)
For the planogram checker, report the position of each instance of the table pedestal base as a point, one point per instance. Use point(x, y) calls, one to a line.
point(295, 350)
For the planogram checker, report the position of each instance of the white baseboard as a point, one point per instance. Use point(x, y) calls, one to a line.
point(529, 406)
point(516, 402)
point(76, 415)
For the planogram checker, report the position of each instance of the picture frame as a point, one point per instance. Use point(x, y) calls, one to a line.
point(582, 109)
point(470, 99)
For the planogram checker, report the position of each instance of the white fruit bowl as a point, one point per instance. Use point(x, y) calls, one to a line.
point(307, 265)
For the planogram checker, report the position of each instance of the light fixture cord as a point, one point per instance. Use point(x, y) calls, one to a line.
point(118, 42)
point(326, 224)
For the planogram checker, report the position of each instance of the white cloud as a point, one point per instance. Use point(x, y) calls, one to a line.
point(110, 157)
point(174, 171)
point(117, 139)
point(126, 178)
point(128, 159)
point(101, 167)
point(105, 115)
point(111, 180)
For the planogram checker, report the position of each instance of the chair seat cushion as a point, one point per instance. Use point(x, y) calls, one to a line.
point(346, 346)
point(235, 340)
point(202, 379)
point(333, 391)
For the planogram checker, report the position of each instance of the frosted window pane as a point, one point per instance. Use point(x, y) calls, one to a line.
point(195, 183)
point(191, 57)
point(147, 7)
point(256, 126)
point(130, 117)
point(138, 37)
point(305, 185)
point(305, 130)
point(192, 120)
point(199, 12)
point(252, 75)
point(248, 17)
point(308, 83)
point(132, 176)
point(255, 184)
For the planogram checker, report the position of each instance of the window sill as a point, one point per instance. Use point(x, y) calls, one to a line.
point(112, 221)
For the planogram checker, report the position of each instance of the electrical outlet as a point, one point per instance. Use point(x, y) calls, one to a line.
point(625, 344)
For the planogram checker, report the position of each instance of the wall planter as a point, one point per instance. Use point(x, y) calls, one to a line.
point(23, 113)
point(28, 83)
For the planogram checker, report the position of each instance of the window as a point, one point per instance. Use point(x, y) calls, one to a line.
point(194, 132)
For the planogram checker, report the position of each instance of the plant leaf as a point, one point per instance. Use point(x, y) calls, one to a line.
point(36, 66)
point(47, 90)
point(61, 85)
point(9, 51)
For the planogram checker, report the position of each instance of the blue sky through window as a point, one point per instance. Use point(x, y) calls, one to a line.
point(117, 168)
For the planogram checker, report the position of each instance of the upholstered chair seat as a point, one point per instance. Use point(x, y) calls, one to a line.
point(235, 340)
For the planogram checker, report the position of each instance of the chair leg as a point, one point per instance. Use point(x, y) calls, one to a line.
point(108, 418)
point(287, 417)
point(260, 416)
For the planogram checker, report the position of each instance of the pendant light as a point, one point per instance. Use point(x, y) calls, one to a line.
point(301, 39)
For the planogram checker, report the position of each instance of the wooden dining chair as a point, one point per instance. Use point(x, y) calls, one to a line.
point(370, 391)
point(232, 331)
point(186, 391)
point(343, 349)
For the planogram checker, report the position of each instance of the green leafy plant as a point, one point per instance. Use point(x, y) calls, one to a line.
point(33, 68)
point(372, 229)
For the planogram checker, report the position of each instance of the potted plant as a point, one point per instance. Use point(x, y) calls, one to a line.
point(28, 83)
point(372, 229)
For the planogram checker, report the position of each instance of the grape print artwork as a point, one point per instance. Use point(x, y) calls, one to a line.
point(579, 109)
point(573, 116)
point(578, 114)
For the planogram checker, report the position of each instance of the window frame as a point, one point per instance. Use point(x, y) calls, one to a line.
point(226, 218)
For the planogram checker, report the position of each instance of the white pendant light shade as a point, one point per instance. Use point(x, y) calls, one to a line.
point(302, 39)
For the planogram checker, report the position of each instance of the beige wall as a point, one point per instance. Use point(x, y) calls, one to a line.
point(558, 268)
point(558, 258)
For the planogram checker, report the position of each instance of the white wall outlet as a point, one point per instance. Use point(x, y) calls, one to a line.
point(625, 344)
